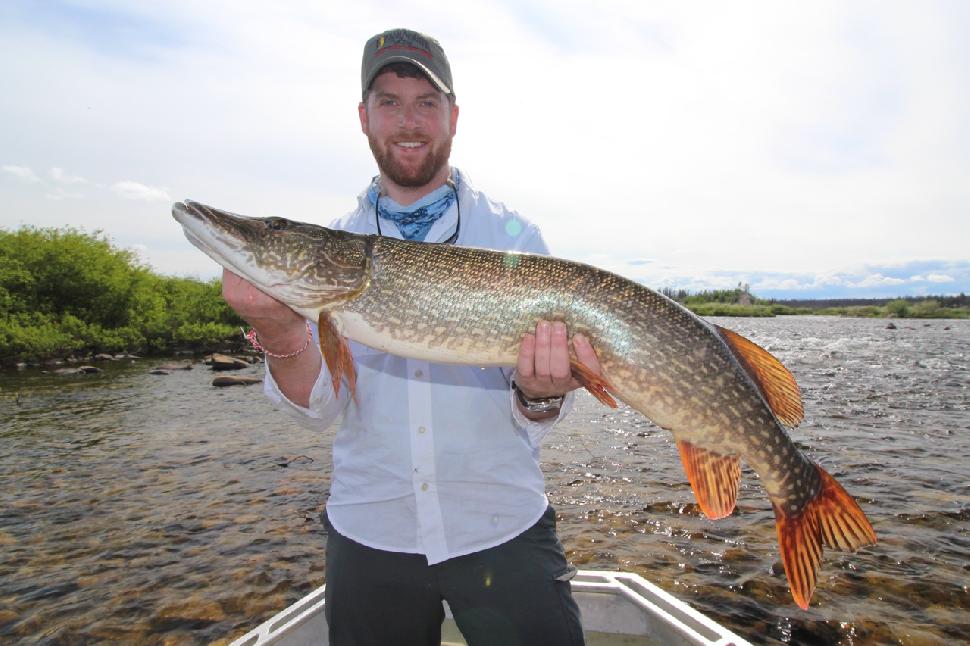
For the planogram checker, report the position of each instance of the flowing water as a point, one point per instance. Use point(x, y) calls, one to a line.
point(142, 508)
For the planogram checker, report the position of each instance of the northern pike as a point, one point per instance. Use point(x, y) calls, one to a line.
point(723, 397)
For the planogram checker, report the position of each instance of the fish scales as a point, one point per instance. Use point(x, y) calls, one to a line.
point(723, 397)
point(466, 305)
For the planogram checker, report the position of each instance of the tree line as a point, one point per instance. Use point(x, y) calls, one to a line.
point(64, 291)
point(740, 302)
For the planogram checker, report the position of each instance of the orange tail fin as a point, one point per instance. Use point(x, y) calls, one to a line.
point(339, 360)
point(833, 518)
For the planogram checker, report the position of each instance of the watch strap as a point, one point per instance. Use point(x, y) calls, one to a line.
point(537, 404)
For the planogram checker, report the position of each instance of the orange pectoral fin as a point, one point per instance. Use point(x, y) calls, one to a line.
point(596, 384)
point(715, 478)
point(834, 518)
point(337, 355)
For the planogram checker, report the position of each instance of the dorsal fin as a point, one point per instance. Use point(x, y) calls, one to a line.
point(773, 379)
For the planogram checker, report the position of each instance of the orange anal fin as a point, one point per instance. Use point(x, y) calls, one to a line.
point(715, 478)
point(774, 380)
point(337, 355)
point(834, 518)
point(596, 384)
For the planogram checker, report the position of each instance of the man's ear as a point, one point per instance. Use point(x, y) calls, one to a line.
point(362, 113)
point(454, 119)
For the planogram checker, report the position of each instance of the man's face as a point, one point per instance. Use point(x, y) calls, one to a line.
point(409, 124)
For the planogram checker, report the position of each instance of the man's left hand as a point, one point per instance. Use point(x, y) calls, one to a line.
point(543, 368)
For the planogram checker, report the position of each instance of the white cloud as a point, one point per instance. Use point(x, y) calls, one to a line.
point(59, 176)
point(781, 284)
point(60, 194)
point(137, 191)
point(22, 173)
point(932, 278)
point(877, 280)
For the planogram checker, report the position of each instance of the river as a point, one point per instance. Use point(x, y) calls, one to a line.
point(157, 509)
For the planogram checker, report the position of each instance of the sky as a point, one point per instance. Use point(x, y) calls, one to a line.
point(809, 149)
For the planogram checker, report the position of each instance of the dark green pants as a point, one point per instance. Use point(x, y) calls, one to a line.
point(515, 593)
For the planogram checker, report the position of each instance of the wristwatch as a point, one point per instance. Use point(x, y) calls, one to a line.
point(539, 404)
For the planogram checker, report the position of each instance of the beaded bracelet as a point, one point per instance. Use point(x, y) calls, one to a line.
point(254, 341)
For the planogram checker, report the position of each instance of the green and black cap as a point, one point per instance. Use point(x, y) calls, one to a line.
point(406, 46)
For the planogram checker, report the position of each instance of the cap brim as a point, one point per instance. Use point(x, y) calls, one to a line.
point(438, 83)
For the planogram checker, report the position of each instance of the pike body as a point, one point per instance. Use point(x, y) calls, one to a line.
point(723, 397)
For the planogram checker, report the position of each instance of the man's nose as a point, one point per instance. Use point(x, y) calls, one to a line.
point(409, 115)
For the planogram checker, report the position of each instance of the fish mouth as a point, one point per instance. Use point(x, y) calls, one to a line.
point(205, 231)
point(203, 234)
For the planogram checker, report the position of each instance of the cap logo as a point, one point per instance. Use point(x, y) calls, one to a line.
point(380, 43)
point(404, 48)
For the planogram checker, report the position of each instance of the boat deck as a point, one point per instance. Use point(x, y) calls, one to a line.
point(617, 608)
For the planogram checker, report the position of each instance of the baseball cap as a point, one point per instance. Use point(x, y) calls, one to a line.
point(410, 47)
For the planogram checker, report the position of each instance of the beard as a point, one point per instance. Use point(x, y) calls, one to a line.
point(406, 175)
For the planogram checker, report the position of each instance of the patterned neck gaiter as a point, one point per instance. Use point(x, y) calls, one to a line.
point(414, 220)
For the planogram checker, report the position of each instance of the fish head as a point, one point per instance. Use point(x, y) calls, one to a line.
point(303, 265)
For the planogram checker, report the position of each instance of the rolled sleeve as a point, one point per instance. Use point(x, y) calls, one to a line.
point(536, 430)
point(323, 407)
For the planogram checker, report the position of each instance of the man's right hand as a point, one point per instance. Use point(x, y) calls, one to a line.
point(280, 329)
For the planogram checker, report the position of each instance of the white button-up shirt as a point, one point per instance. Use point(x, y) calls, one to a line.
point(433, 459)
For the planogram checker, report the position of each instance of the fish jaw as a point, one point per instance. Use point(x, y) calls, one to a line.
point(302, 265)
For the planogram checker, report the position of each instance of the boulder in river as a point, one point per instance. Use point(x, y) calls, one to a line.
point(88, 370)
point(235, 380)
point(225, 362)
point(175, 366)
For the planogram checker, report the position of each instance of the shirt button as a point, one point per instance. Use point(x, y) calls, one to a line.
point(418, 373)
point(424, 486)
point(421, 429)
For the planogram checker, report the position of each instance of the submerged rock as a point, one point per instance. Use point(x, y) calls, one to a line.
point(235, 380)
point(193, 609)
point(175, 366)
point(225, 362)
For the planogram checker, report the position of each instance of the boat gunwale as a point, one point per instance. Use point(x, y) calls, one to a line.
point(652, 601)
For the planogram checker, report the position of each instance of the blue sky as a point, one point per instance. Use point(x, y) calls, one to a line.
point(809, 149)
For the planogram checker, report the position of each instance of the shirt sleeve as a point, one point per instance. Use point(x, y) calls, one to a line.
point(536, 430)
point(323, 407)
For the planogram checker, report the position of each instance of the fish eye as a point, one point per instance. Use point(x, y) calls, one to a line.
point(276, 224)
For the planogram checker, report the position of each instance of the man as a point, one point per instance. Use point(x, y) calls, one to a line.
point(436, 490)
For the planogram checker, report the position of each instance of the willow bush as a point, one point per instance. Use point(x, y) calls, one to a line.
point(64, 291)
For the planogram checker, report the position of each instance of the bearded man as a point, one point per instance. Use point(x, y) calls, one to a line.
point(436, 492)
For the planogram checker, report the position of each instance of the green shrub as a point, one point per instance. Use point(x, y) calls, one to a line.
point(64, 291)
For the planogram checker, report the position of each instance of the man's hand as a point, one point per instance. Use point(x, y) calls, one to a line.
point(280, 329)
point(543, 367)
